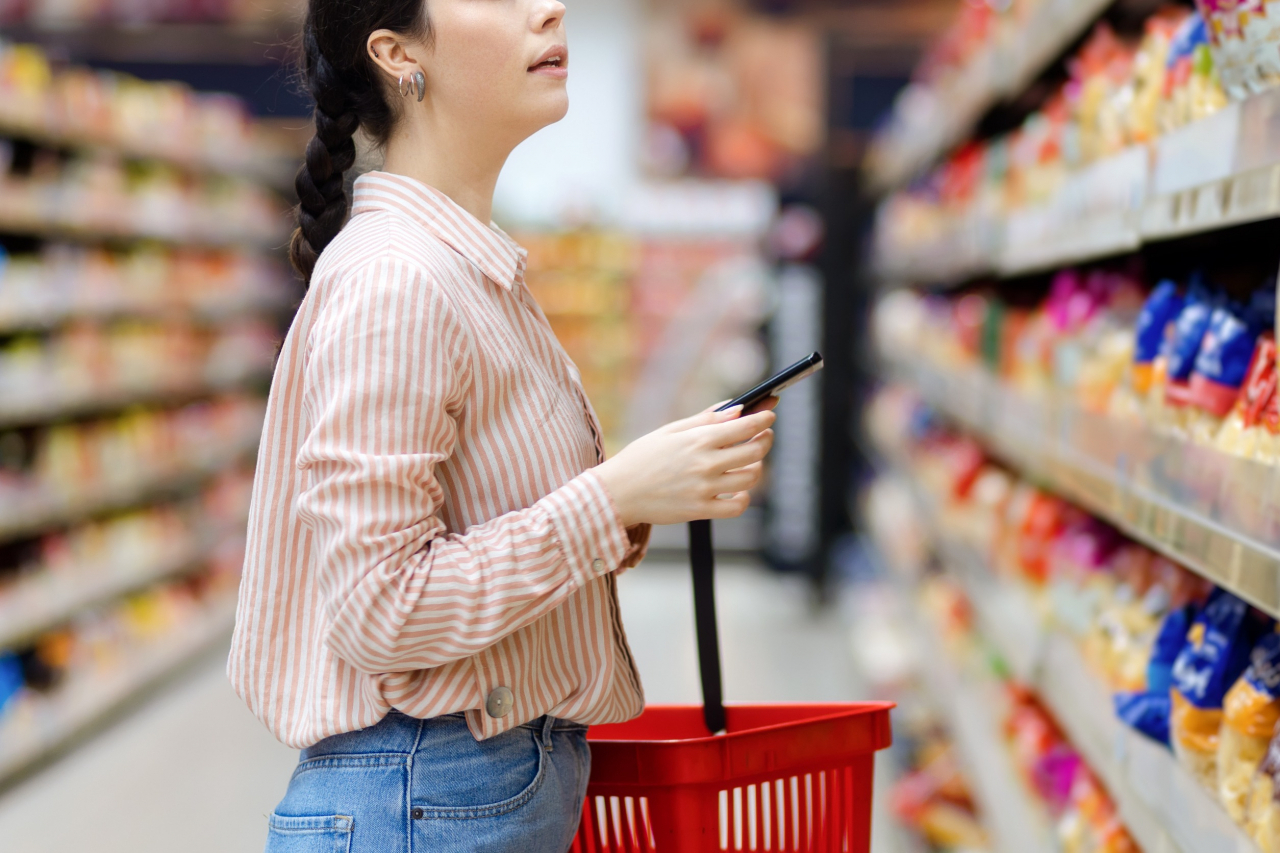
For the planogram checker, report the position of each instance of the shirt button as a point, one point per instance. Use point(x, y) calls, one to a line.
point(597, 564)
point(499, 703)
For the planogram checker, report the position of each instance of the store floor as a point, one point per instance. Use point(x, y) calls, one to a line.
point(193, 771)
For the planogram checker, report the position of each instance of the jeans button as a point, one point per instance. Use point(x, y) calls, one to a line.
point(499, 703)
point(416, 814)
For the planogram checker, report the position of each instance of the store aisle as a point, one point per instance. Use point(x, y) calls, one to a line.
point(194, 771)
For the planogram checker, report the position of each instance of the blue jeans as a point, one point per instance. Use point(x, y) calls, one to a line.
point(427, 786)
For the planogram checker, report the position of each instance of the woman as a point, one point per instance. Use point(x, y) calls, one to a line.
point(428, 607)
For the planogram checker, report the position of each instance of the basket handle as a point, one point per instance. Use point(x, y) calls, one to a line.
point(703, 560)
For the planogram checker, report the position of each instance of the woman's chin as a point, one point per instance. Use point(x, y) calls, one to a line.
point(552, 109)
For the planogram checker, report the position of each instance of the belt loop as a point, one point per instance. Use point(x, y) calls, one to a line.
point(548, 725)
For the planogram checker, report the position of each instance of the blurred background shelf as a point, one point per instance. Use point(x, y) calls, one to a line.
point(62, 406)
point(32, 736)
point(1214, 513)
point(1163, 807)
point(969, 701)
point(25, 516)
point(44, 603)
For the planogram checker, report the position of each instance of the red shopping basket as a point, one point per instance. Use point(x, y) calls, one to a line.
point(690, 779)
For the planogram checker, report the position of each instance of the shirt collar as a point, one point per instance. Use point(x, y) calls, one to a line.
point(489, 248)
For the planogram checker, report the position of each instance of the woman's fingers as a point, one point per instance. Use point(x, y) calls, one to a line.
point(730, 507)
point(740, 480)
point(708, 418)
point(741, 455)
point(738, 430)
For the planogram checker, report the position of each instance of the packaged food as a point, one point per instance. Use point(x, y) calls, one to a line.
point(1145, 711)
point(1168, 645)
point(1221, 367)
point(1215, 655)
point(1046, 516)
point(1192, 88)
point(11, 679)
point(1158, 314)
point(1245, 40)
point(1171, 397)
point(1242, 432)
point(1269, 440)
point(1262, 817)
point(1250, 712)
point(1149, 68)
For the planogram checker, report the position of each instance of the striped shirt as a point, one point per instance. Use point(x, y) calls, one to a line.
point(425, 527)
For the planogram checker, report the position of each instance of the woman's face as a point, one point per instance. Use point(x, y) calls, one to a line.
point(500, 63)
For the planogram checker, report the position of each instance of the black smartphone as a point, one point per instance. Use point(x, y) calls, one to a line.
point(776, 384)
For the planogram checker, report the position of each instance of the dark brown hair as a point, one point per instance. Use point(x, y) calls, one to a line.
point(349, 94)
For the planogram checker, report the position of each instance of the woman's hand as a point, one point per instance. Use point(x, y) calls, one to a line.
point(678, 473)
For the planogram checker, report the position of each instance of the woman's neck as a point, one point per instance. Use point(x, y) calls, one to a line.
point(450, 157)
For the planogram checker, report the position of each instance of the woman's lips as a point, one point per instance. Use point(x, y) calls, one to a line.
point(553, 63)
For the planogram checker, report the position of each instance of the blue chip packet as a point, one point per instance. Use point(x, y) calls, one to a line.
point(1227, 346)
point(1147, 712)
point(1161, 308)
point(11, 680)
point(1169, 642)
point(1217, 649)
point(1189, 331)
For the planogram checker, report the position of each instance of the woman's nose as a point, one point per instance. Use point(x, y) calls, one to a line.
point(549, 15)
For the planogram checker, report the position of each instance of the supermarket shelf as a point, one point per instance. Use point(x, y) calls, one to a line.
point(51, 315)
point(967, 702)
point(81, 707)
point(44, 601)
point(928, 121)
point(1217, 514)
point(15, 220)
point(247, 42)
point(43, 512)
point(275, 172)
point(57, 405)
point(1217, 173)
point(1163, 807)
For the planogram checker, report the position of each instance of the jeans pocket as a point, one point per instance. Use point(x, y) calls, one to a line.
point(323, 834)
point(482, 779)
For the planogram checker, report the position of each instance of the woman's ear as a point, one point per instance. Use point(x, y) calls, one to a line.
point(389, 53)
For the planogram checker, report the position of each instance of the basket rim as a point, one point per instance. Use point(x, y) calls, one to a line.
point(838, 710)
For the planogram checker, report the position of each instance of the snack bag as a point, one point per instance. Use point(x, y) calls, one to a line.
point(1245, 40)
point(1046, 517)
point(1159, 311)
point(1175, 107)
point(1250, 712)
point(1269, 440)
point(1171, 398)
point(1220, 369)
point(1146, 712)
point(1242, 431)
point(1262, 818)
point(1149, 71)
point(1215, 655)
point(1168, 645)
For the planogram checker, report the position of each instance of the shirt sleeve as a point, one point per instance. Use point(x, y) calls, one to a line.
point(384, 382)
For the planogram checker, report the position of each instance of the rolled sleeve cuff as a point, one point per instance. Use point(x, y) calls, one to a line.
point(590, 532)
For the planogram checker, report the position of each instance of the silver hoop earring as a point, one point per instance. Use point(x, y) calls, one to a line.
point(403, 92)
point(420, 81)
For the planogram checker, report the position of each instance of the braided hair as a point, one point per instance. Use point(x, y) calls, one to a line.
point(349, 94)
